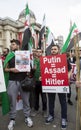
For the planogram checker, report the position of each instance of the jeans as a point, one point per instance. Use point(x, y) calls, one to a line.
point(38, 91)
point(63, 103)
point(69, 94)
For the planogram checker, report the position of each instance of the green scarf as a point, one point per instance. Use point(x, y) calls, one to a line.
point(4, 96)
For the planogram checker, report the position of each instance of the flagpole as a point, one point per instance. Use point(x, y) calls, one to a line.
point(78, 79)
point(44, 45)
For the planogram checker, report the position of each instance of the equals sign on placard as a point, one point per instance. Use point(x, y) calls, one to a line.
point(52, 65)
point(53, 75)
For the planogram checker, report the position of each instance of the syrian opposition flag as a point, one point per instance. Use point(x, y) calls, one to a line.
point(26, 39)
point(75, 34)
point(42, 32)
point(30, 44)
point(78, 38)
point(4, 96)
point(70, 35)
point(27, 32)
point(34, 36)
point(49, 38)
point(27, 14)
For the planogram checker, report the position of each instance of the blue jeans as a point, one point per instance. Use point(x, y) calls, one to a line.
point(63, 103)
point(38, 91)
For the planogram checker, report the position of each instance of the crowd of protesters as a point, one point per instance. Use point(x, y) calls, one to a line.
point(31, 101)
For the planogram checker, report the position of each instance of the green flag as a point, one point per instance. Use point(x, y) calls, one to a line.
point(42, 33)
point(49, 38)
point(31, 52)
point(4, 96)
point(65, 46)
point(27, 15)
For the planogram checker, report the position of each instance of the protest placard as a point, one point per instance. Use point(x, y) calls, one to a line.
point(2, 82)
point(22, 61)
point(73, 74)
point(54, 73)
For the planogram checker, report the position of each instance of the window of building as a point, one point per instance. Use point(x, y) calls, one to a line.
point(16, 36)
point(0, 34)
point(10, 35)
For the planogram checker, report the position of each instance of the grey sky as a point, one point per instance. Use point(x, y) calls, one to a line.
point(58, 12)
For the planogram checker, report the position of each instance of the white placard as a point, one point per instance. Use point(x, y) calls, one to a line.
point(2, 81)
point(22, 61)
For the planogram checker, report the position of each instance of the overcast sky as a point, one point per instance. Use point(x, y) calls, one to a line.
point(58, 12)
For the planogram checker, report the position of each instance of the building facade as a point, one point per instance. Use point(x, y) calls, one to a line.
point(14, 29)
point(11, 29)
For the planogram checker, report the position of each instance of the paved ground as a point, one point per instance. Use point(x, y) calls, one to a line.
point(39, 120)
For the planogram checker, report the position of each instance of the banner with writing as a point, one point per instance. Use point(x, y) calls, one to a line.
point(54, 73)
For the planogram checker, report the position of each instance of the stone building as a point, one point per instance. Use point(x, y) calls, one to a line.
point(10, 29)
point(14, 29)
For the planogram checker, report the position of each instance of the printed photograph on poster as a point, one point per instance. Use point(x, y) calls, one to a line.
point(2, 81)
point(22, 61)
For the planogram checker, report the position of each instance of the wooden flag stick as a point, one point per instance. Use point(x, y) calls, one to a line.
point(44, 45)
point(76, 46)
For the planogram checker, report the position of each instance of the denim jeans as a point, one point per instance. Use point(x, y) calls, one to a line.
point(63, 103)
point(38, 91)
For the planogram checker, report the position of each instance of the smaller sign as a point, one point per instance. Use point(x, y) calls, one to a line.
point(74, 72)
point(22, 61)
point(2, 81)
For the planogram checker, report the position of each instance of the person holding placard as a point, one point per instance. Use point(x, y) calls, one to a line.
point(14, 86)
point(62, 98)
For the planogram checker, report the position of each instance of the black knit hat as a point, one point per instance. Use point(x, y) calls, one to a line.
point(16, 41)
